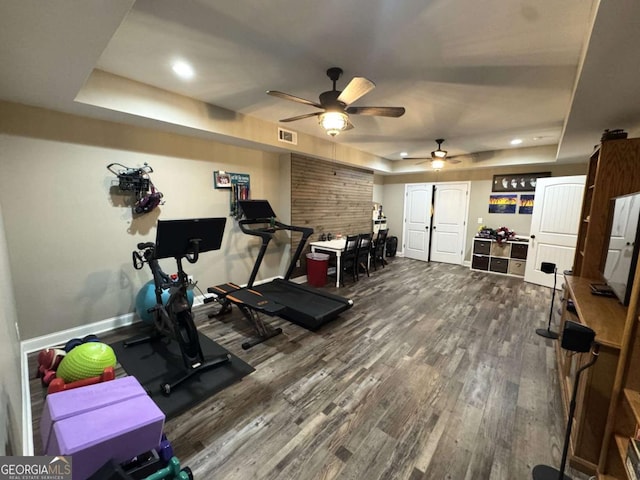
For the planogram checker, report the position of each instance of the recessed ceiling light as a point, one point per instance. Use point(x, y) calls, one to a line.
point(516, 141)
point(403, 154)
point(183, 69)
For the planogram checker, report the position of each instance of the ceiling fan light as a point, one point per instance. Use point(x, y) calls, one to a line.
point(437, 164)
point(439, 154)
point(333, 122)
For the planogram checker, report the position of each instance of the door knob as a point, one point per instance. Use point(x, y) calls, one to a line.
point(533, 236)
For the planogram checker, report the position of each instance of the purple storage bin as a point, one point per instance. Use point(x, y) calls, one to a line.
point(68, 403)
point(119, 432)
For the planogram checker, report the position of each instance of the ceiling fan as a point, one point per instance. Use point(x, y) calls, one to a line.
point(438, 157)
point(334, 116)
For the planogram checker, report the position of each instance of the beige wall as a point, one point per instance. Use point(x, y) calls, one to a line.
point(394, 186)
point(10, 390)
point(70, 232)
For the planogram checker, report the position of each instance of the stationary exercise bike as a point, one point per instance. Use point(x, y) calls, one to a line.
point(178, 239)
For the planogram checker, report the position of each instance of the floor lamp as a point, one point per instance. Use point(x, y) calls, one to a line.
point(547, 267)
point(576, 338)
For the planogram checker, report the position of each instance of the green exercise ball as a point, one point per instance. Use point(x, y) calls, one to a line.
point(86, 360)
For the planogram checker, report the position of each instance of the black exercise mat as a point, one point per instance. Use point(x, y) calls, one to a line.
point(153, 363)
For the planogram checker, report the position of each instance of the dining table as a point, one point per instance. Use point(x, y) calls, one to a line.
point(336, 246)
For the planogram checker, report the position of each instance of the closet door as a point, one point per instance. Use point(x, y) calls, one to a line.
point(449, 230)
point(417, 220)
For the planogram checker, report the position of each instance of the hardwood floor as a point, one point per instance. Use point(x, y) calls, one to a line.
point(435, 373)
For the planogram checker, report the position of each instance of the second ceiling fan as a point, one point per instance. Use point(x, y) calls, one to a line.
point(438, 156)
point(335, 104)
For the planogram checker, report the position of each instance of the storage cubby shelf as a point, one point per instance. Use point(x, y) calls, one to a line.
point(507, 258)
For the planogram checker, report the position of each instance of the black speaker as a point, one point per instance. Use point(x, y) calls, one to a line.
point(577, 337)
point(547, 267)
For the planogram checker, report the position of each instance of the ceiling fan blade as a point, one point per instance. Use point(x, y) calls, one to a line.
point(452, 160)
point(357, 87)
point(293, 98)
point(377, 111)
point(349, 126)
point(300, 117)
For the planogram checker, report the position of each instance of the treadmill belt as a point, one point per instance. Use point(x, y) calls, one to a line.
point(308, 308)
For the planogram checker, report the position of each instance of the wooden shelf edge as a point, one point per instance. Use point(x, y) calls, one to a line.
point(633, 397)
point(623, 444)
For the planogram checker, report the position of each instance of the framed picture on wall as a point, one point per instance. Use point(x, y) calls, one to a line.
point(520, 182)
point(221, 180)
point(502, 203)
point(526, 204)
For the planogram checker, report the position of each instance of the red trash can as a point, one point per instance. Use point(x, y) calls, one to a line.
point(317, 266)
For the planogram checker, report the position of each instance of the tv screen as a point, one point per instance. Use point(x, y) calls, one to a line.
point(622, 251)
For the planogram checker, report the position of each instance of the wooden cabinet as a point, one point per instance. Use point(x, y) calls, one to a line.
point(614, 170)
point(608, 402)
point(508, 258)
point(606, 316)
point(624, 412)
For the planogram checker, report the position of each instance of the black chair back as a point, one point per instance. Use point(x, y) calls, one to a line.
point(377, 250)
point(364, 249)
point(348, 259)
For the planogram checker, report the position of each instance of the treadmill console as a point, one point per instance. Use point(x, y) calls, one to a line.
point(257, 209)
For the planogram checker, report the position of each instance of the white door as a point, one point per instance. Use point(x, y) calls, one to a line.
point(554, 226)
point(417, 220)
point(449, 231)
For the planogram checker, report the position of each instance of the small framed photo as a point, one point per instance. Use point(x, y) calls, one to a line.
point(221, 179)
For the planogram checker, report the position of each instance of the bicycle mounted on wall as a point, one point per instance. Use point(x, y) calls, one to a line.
point(137, 180)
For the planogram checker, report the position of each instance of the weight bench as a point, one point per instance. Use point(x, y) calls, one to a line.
point(252, 304)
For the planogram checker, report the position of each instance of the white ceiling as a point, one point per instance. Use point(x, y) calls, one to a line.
point(475, 73)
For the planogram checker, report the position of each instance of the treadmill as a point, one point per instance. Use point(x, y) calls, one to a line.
point(306, 306)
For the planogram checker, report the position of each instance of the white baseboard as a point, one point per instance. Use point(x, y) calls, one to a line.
point(466, 263)
point(27, 418)
point(58, 339)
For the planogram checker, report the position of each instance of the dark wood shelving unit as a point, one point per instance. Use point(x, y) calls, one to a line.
point(608, 404)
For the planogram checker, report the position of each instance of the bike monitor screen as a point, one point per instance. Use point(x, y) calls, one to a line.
point(175, 238)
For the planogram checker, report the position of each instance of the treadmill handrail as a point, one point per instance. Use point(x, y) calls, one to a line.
point(267, 234)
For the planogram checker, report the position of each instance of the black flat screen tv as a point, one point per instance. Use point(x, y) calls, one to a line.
point(622, 249)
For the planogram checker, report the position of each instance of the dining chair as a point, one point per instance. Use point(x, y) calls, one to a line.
point(348, 259)
point(377, 249)
point(364, 249)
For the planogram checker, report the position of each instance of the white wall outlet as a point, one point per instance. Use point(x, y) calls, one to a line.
point(480, 221)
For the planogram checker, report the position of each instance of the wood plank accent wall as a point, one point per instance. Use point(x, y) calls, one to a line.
point(330, 198)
